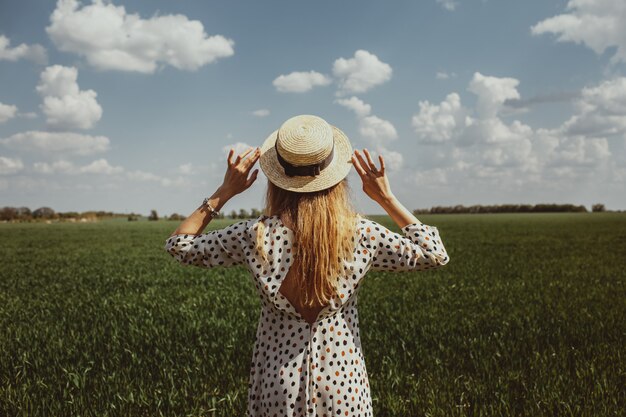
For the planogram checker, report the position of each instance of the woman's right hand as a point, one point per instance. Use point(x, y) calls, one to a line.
point(375, 182)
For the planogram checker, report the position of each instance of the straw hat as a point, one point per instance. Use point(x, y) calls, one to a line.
point(306, 154)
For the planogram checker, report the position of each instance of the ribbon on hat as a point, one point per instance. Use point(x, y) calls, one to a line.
point(304, 170)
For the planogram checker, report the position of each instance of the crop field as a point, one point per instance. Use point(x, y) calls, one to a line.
point(527, 319)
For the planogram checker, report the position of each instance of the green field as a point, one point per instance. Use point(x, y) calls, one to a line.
point(527, 319)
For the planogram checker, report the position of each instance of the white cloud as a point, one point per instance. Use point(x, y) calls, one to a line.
point(579, 150)
point(371, 127)
point(173, 182)
point(376, 129)
point(64, 104)
point(239, 147)
point(61, 166)
point(360, 108)
point(7, 112)
point(492, 92)
point(598, 24)
point(442, 75)
point(354, 75)
point(144, 176)
point(186, 169)
point(104, 168)
point(300, 82)
point(601, 110)
point(10, 165)
point(56, 142)
point(430, 178)
point(99, 166)
point(140, 175)
point(35, 53)
point(261, 113)
point(110, 38)
point(439, 123)
point(476, 144)
point(449, 5)
point(360, 73)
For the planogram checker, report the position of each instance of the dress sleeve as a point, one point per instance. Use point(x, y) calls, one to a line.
point(418, 248)
point(221, 247)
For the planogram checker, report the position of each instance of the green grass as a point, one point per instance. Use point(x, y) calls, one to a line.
point(527, 319)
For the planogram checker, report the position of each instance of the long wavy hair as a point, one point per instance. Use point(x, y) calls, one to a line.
point(323, 223)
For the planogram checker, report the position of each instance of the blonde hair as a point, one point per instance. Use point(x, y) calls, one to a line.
point(324, 225)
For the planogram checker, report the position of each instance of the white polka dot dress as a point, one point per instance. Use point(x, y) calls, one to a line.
point(297, 368)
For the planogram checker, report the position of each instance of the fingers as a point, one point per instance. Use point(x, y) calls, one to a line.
point(230, 156)
point(241, 156)
point(369, 160)
point(357, 166)
point(252, 178)
point(246, 163)
point(362, 162)
point(250, 160)
point(368, 166)
point(250, 149)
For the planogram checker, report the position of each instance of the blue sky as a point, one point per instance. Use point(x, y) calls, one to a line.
point(132, 105)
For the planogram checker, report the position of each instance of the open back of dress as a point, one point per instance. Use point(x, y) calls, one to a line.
point(292, 293)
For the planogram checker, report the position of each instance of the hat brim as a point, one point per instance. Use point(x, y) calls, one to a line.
point(336, 171)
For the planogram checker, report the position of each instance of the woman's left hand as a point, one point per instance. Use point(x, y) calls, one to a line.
point(236, 178)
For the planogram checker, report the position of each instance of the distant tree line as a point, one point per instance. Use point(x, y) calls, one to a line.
point(510, 208)
point(234, 214)
point(21, 214)
point(25, 214)
point(244, 214)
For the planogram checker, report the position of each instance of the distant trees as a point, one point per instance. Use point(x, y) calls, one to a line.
point(44, 213)
point(244, 214)
point(8, 213)
point(503, 208)
point(69, 215)
point(24, 214)
point(154, 216)
point(597, 208)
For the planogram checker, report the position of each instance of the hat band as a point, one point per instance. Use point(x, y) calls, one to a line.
point(304, 170)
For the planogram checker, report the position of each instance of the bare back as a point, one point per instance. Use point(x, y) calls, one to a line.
point(290, 291)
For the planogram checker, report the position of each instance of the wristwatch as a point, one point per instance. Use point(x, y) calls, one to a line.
point(212, 209)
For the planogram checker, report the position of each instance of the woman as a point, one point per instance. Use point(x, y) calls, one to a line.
point(307, 255)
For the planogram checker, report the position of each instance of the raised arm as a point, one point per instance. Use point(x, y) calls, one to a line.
point(218, 247)
point(235, 181)
point(376, 186)
point(418, 248)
